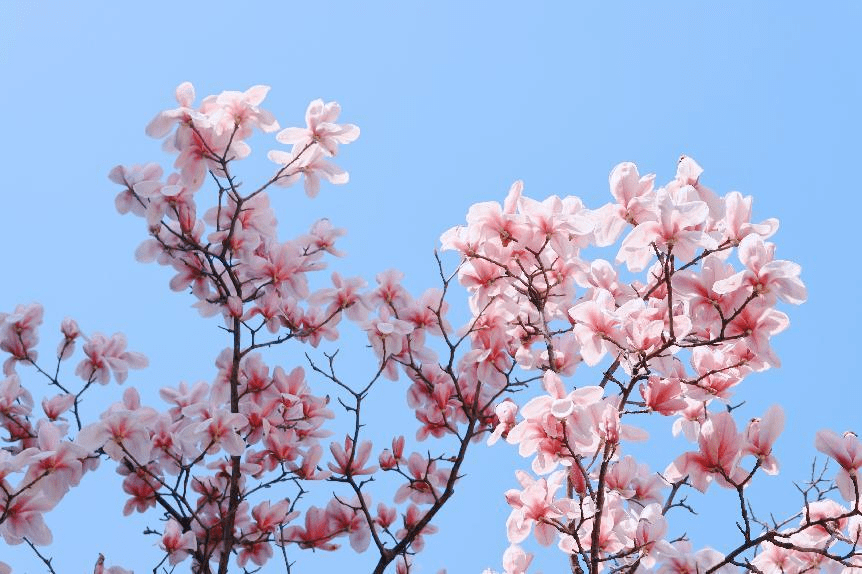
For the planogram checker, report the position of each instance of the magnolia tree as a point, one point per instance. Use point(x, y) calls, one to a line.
point(683, 313)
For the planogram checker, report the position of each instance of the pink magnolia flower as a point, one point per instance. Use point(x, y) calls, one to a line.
point(663, 396)
point(620, 475)
point(60, 468)
point(256, 217)
point(23, 517)
point(239, 110)
point(141, 487)
point(644, 325)
point(10, 463)
point(14, 398)
point(483, 277)
point(350, 461)
point(607, 426)
point(649, 533)
point(764, 275)
point(411, 518)
point(219, 431)
point(386, 515)
point(258, 551)
point(345, 295)
point(121, 433)
point(597, 327)
point(106, 356)
point(615, 531)
point(424, 482)
point(387, 334)
point(316, 325)
point(183, 396)
point(687, 187)
point(720, 445)
point(820, 520)
point(737, 225)
point(562, 225)
point(648, 486)
point(505, 412)
point(70, 331)
point(175, 200)
point(268, 516)
point(543, 432)
point(282, 265)
point(19, 334)
point(515, 560)
point(846, 450)
point(322, 236)
point(717, 372)
point(130, 177)
point(320, 128)
point(627, 185)
point(164, 121)
point(534, 506)
point(602, 275)
point(499, 222)
point(270, 307)
point(389, 291)
point(310, 164)
point(175, 543)
point(317, 532)
point(254, 545)
point(678, 558)
point(389, 459)
point(675, 228)
point(345, 518)
point(422, 312)
point(756, 324)
point(774, 559)
point(761, 435)
point(704, 303)
point(634, 195)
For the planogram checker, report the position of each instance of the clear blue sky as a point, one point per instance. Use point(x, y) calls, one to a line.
point(455, 101)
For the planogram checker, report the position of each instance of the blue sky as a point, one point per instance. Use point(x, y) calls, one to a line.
point(455, 101)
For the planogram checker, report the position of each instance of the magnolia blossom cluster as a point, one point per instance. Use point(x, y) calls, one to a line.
point(684, 312)
point(674, 342)
point(255, 426)
point(207, 460)
point(39, 461)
